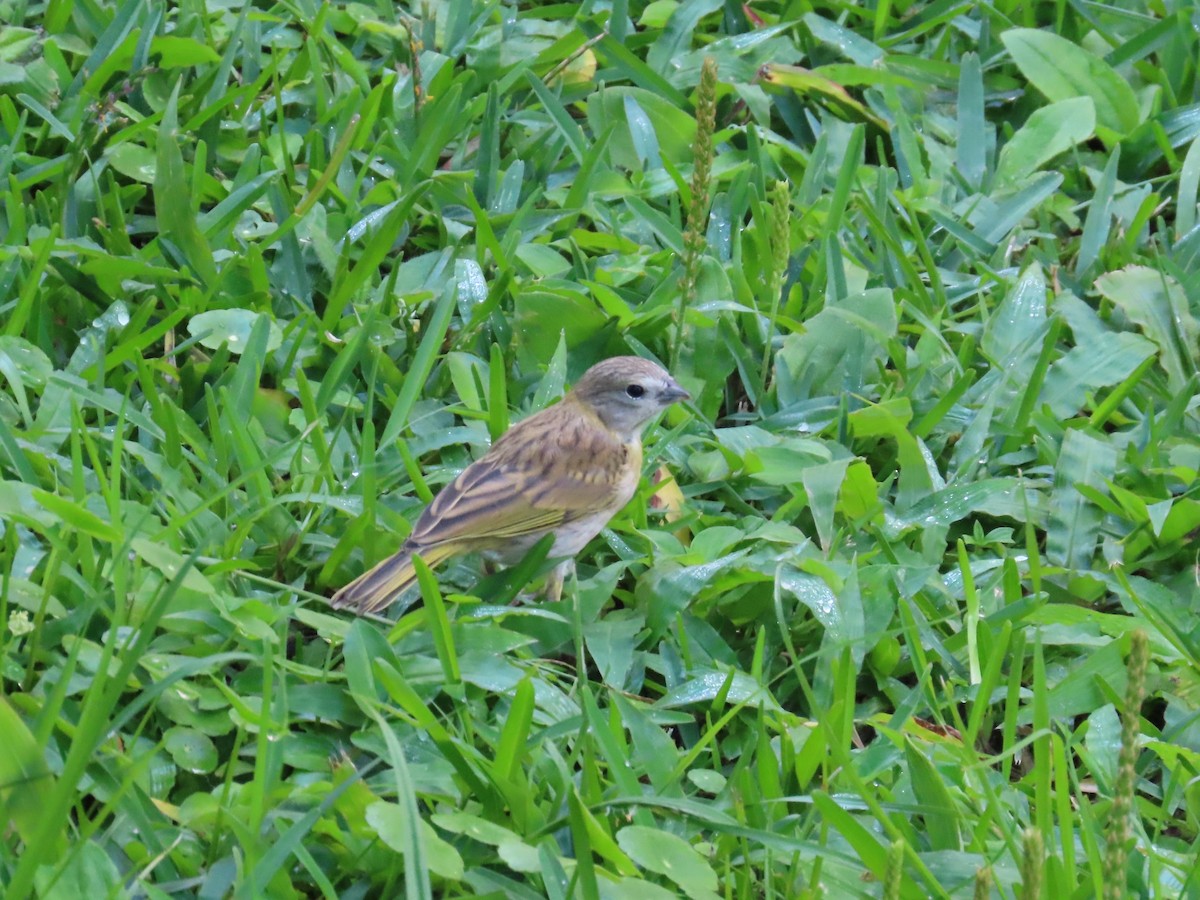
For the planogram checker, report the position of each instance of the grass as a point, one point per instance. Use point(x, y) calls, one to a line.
point(921, 620)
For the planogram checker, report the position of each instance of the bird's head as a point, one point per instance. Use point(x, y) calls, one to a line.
point(626, 392)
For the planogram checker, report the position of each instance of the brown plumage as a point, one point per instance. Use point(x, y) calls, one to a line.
point(565, 470)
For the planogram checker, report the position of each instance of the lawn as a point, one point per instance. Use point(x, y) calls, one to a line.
point(907, 603)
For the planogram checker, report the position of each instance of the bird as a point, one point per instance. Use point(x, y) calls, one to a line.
point(564, 471)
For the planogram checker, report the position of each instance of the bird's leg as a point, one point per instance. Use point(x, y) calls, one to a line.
point(552, 589)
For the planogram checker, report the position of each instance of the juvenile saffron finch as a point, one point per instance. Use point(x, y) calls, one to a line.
point(564, 471)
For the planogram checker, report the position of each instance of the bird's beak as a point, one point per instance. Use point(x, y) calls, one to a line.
point(674, 393)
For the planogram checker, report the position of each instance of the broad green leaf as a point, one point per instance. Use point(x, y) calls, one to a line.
point(389, 822)
point(191, 750)
point(1087, 684)
point(519, 856)
point(785, 463)
point(707, 780)
point(669, 587)
point(474, 827)
point(706, 686)
point(846, 41)
point(23, 366)
point(669, 855)
point(611, 643)
point(15, 42)
point(841, 343)
point(655, 753)
point(363, 647)
point(641, 132)
point(1103, 361)
point(88, 872)
point(23, 363)
point(1074, 525)
point(176, 52)
point(941, 814)
point(840, 612)
point(678, 35)
point(823, 484)
point(633, 889)
point(1049, 131)
point(918, 473)
point(672, 129)
point(1157, 303)
point(656, 13)
point(543, 261)
point(998, 217)
point(134, 161)
point(1103, 742)
point(171, 564)
point(24, 778)
point(1013, 329)
point(78, 516)
point(542, 317)
point(1012, 497)
point(231, 328)
point(1062, 70)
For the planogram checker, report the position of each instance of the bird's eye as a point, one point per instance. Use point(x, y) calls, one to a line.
point(635, 391)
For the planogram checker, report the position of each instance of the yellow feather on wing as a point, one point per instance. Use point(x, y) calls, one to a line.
point(532, 480)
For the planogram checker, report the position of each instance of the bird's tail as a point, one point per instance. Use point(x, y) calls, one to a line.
point(376, 589)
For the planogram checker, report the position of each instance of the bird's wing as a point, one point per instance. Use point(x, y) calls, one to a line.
point(548, 470)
